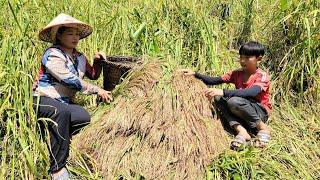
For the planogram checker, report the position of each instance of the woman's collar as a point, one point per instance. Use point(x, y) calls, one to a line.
point(75, 52)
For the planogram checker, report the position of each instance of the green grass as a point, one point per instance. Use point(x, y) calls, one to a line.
point(187, 33)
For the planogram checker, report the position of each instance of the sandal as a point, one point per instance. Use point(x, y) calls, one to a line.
point(262, 139)
point(239, 142)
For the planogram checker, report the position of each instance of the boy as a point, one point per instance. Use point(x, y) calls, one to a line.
point(248, 106)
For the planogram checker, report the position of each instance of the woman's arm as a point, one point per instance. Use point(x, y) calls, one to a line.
point(93, 72)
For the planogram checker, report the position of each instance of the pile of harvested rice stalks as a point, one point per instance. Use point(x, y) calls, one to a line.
point(160, 127)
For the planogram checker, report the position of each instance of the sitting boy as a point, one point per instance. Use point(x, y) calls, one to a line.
point(247, 107)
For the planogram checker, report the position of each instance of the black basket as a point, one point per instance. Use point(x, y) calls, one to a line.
point(116, 67)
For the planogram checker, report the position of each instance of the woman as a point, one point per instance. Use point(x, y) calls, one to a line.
point(61, 76)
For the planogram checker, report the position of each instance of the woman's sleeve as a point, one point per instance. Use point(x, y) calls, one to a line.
point(56, 64)
point(93, 72)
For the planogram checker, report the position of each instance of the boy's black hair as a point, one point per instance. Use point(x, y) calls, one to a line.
point(252, 48)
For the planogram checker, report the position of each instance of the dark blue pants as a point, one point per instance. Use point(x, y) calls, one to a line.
point(70, 118)
point(238, 110)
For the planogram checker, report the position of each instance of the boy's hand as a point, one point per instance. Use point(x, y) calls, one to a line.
point(105, 95)
point(99, 56)
point(212, 92)
point(187, 72)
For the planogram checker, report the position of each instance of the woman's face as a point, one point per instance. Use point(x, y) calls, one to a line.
point(69, 38)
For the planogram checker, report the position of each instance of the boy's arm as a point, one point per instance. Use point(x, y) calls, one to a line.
point(209, 80)
point(250, 92)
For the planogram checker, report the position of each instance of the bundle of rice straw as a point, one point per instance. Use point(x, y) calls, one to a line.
point(161, 127)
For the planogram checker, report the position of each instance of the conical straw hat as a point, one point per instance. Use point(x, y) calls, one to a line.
point(48, 33)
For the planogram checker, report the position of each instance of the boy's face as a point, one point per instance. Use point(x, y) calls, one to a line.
point(249, 63)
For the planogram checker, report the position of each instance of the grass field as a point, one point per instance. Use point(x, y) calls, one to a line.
point(203, 35)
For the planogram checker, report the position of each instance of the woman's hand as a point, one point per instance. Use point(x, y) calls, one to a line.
point(212, 92)
point(99, 56)
point(187, 72)
point(106, 96)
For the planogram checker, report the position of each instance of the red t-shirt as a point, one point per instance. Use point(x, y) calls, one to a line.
point(259, 78)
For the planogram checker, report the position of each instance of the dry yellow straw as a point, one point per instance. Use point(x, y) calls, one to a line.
point(159, 128)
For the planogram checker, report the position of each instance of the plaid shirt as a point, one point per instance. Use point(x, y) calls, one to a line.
point(61, 75)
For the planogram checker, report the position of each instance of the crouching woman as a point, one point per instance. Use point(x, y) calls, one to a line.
point(61, 76)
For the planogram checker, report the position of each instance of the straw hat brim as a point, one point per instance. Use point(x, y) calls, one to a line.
point(48, 34)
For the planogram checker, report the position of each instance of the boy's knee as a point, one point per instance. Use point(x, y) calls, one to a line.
point(234, 102)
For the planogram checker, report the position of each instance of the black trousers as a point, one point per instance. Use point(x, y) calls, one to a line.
point(238, 110)
point(68, 118)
